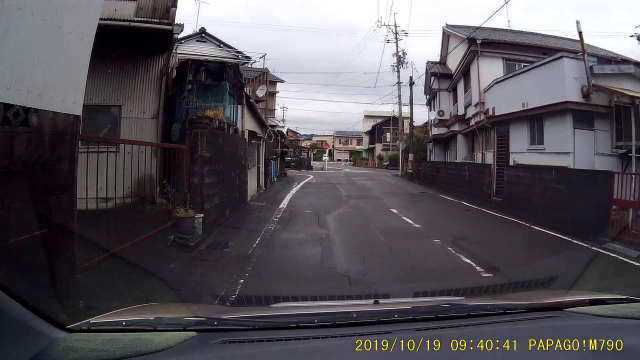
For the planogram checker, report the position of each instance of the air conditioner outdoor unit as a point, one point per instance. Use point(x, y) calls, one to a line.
point(441, 114)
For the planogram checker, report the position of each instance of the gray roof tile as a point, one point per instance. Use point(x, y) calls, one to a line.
point(530, 38)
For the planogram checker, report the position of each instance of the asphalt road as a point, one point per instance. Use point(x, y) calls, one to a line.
point(351, 232)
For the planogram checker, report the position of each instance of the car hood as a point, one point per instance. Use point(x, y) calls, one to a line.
point(153, 310)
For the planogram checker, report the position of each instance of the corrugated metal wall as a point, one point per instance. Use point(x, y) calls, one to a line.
point(130, 75)
point(155, 9)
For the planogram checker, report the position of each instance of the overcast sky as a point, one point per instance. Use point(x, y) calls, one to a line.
point(315, 43)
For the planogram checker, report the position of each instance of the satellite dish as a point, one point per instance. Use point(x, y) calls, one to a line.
point(261, 90)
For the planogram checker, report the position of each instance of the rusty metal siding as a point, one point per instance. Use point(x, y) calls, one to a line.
point(132, 80)
point(118, 10)
point(156, 9)
point(163, 11)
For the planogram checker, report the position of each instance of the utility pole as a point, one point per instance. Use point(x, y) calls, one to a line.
point(400, 56)
point(412, 145)
point(284, 110)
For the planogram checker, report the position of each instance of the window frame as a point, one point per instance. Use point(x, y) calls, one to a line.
point(84, 146)
point(523, 63)
point(619, 143)
point(535, 125)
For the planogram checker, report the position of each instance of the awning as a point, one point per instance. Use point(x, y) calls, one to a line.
point(480, 123)
point(448, 134)
point(618, 91)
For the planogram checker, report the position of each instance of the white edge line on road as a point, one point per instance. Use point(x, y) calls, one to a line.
point(545, 231)
point(465, 259)
point(270, 226)
point(405, 218)
point(278, 212)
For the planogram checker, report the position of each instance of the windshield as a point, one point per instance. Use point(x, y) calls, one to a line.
point(251, 156)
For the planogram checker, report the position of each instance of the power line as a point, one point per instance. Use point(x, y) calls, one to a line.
point(326, 92)
point(327, 72)
point(384, 45)
point(335, 101)
point(335, 85)
point(326, 111)
point(506, 2)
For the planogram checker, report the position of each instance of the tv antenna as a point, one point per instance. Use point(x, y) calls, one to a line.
point(198, 4)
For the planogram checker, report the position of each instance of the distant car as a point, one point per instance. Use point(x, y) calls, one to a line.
point(325, 157)
point(387, 165)
point(289, 161)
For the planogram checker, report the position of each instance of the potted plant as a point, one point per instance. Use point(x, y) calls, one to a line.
point(187, 225)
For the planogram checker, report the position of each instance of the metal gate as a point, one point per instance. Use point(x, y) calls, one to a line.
point(501, 160)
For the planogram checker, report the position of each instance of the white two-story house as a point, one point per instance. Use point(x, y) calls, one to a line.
point(507, 97)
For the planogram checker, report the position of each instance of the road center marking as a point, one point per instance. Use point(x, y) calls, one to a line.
point(545, 231)
point(465, 259)
point(405, 218)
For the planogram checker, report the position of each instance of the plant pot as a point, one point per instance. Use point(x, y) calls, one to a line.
point(185, 226)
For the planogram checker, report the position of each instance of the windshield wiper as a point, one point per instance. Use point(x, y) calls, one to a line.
point(377, 312)
point(175, 323)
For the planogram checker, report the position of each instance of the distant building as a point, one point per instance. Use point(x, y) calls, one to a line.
point(345, 144)
point(382, 139)
point(262, 86)
point(371, 118)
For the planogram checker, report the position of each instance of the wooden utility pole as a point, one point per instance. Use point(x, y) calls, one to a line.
point(400, 62)
point(399, 85)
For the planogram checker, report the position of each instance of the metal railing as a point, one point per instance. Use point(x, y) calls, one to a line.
point(626, 190)
point(119, 172)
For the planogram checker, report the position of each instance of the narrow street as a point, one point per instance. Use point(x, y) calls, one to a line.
point(351, 232)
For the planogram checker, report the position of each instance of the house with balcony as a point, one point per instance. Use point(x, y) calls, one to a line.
point(382, 140)
point(528, 119)
point(346, 143)
point(506, 97)
point(262, 85)
point(372, 117)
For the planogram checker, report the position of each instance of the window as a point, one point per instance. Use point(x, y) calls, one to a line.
point(536, 131)
point(514, 65)
point(454, 96)
point(101, 120)
point(467, 89)
point(359, 142)
point(622, 121)
point(466, 81)
point(583, 120)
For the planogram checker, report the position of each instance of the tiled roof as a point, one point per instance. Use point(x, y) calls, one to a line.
point(436, 67)
point(347, 133)
point(250, 74)
point(530, 38)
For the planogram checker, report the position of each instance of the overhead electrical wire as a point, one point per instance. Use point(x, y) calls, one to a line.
point(384, 45)
point(334, 101)
point(336, 85)
point(506, 2)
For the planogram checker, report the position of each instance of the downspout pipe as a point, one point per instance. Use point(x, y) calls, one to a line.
point(480, 101)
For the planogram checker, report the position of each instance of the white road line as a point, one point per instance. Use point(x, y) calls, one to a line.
point(405, 218)
point(546, 231)
point(270, 226)
point(465, 259)
point(278, 212)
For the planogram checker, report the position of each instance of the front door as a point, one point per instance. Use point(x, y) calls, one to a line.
point(584, 149)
